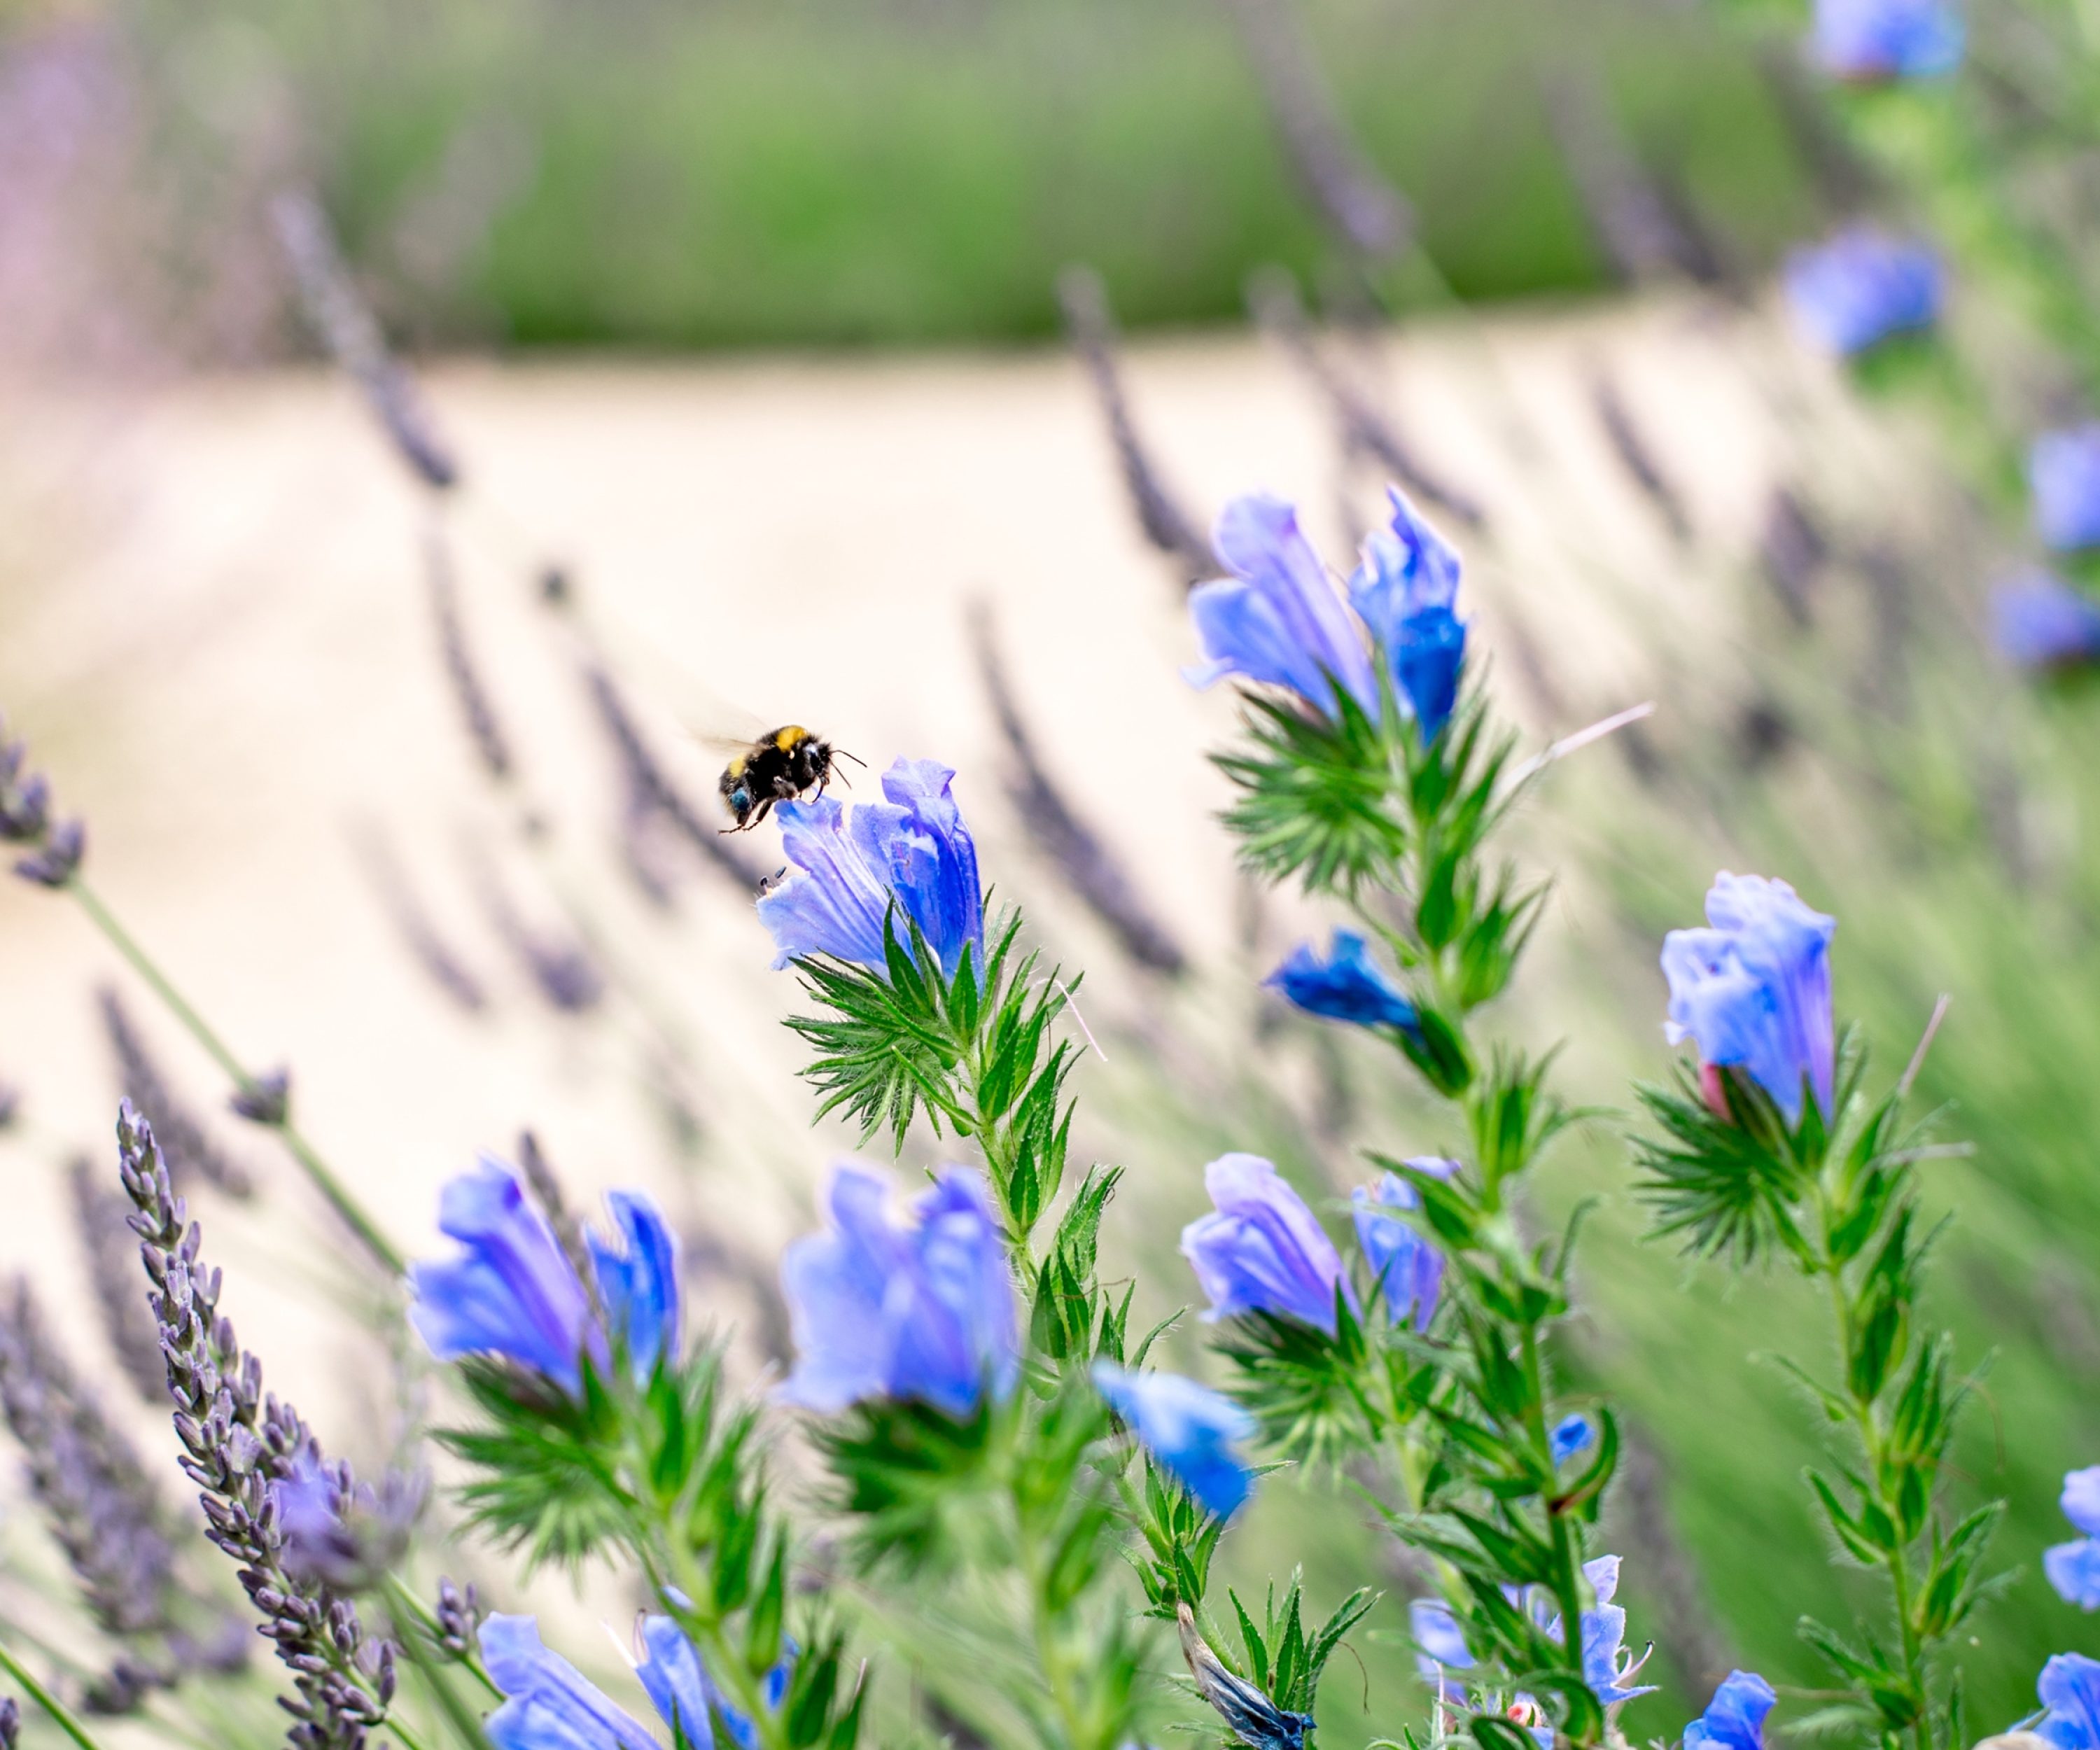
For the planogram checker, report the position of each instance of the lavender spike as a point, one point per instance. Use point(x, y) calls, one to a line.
point(1365, 211)
point(1090, 325)
point(239, 1445)
point(1634, 226)
point(430, 950)
point(1632, 450)
point(562, 967)
point(1091, 868)
point(348, 329)
point(11, 1105)
point(1281, 314)
point(1793, 553)
point(189, 1147)
point(458, 1618)
point(103, 1220)
point(469, 691)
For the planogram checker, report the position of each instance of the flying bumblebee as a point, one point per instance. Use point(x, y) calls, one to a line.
point(777, 767)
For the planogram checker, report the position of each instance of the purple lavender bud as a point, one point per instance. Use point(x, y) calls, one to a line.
point(1753, 990)
point(921, 1310)
point(266, 1100)
point(912, 851)
point(1862, 286)
point(2039, 622)
point(2063, 475)
point(1262, 1249)
point(11, 1723)
point(1869, 41)
point(54, 862)
point(458, 1615)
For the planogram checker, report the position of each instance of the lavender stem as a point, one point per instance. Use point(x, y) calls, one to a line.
point(317, 1169)
point(62, 1716)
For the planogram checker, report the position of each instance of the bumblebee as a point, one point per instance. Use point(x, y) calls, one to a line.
point(777, 767)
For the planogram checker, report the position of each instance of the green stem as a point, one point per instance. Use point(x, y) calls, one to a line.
point(61, 1715)
point(1058, 1674)
point(317, 1169)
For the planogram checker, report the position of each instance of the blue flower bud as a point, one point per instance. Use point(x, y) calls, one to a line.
point(1735, 1718)
point(1248, 1714)
point(1409, 1270)
point(2069, 1691)
point(2063, 474)
point(1348, 986)
point(921, 1310)
point(1570, 1435)
point(2039, 621)
point(638, 1282)
point(1262, 1249)
point(1872, 40)
point(1190, 1429)
point(1753, 991)
point(1862, 286)
point(1407, 590)
point(912, 851)
point(550, 1705)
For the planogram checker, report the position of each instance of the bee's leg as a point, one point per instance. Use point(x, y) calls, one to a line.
point(764, 808)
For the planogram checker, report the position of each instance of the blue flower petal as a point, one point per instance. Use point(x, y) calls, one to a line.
point(2063, 474)
point(2039, 621)
point(1438, 1639)
point(551, 1704)
point(1262, 1249)
point(1862, 286)
point(2069, 1688)
point(1888, 39)
point(1409, 1270)
point(637, 1282)
point(1569, 1436)
point(1735, 1718)
point(2073, 1569)
point(1191, 1430)
point(1347, 986)
point(677, 1683)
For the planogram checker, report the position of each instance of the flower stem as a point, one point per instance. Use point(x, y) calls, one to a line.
point(317, 1169)
point(62, 1716)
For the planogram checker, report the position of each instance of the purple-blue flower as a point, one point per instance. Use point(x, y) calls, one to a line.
point(2039, 621)
point(512, 1291)
point(1753, 991)
point(1409, 1270)
point(1888, 39)
point(550, 1705)
point(1735, 1718)
point(851, 865)
point(1570, 1435)
point(1190, 1429)
point(637, 1281)
point(1607, 1665)
point(1862, 286)
point(922, 1309)
point(2069, 1691)
point(2074, 1568)
point(1348, 986)
point(2063, 475)
point(1282, 620)
point(1407, 590)
point(1440, 1643)
point(1261, 1250)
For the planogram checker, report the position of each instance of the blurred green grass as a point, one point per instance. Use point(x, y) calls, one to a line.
point(826, 172)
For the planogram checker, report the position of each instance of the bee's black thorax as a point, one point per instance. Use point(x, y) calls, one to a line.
point(776, 768)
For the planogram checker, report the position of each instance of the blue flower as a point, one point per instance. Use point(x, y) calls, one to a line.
point(1754, 990)
point(1888, 39)
point(1409, 1271)
point(1862, 286)
point(1278, 619)
point(550, 1705)
point(1606, 1664)
point(512, 1292)
point(2063, 474)
point(1249, 1715)
point(1190, 1429)
point(1281, 620)
point(1349, 986)
point(2074, 1568)
point(850, 867)
point(1570, 1435)
point(637, 1282)
point(1735, 1718)
point(1262, 1250)
point(1439, 1641)
point(2039, 621)
point(923, 1310)
point(2069, 1691)
point(1406, 589)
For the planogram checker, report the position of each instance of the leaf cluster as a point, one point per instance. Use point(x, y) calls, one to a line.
point(1280, 1657)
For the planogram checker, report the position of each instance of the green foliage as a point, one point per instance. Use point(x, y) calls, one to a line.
point(1316, 794)
point(541, 1484)
point(1284, 1661)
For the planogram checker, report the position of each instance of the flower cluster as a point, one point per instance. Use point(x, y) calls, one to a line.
point(1862, 286)
point(862, 874)
point(1280, 620)
point(51, 848)
point(1753, 990)
point(513, 1291)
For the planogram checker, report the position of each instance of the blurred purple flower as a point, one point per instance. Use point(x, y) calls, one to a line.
point(550, 1705)
point(881, 1309)
point(2039, 621)
point(1862, 286)
point(1262, 1249)
point(1348, 986)
point(2074, 1568)
point(1190, 1429)
point(1439, 1641)
point(1735, 1718)
point(1570, 1435)
point(1409, 1270)
point(637, 1282)
point(2063, 475)
point(2069, 1690)
point(850, 865)
point(1753, 991)
point(1866, 40)
point(345, 1535)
